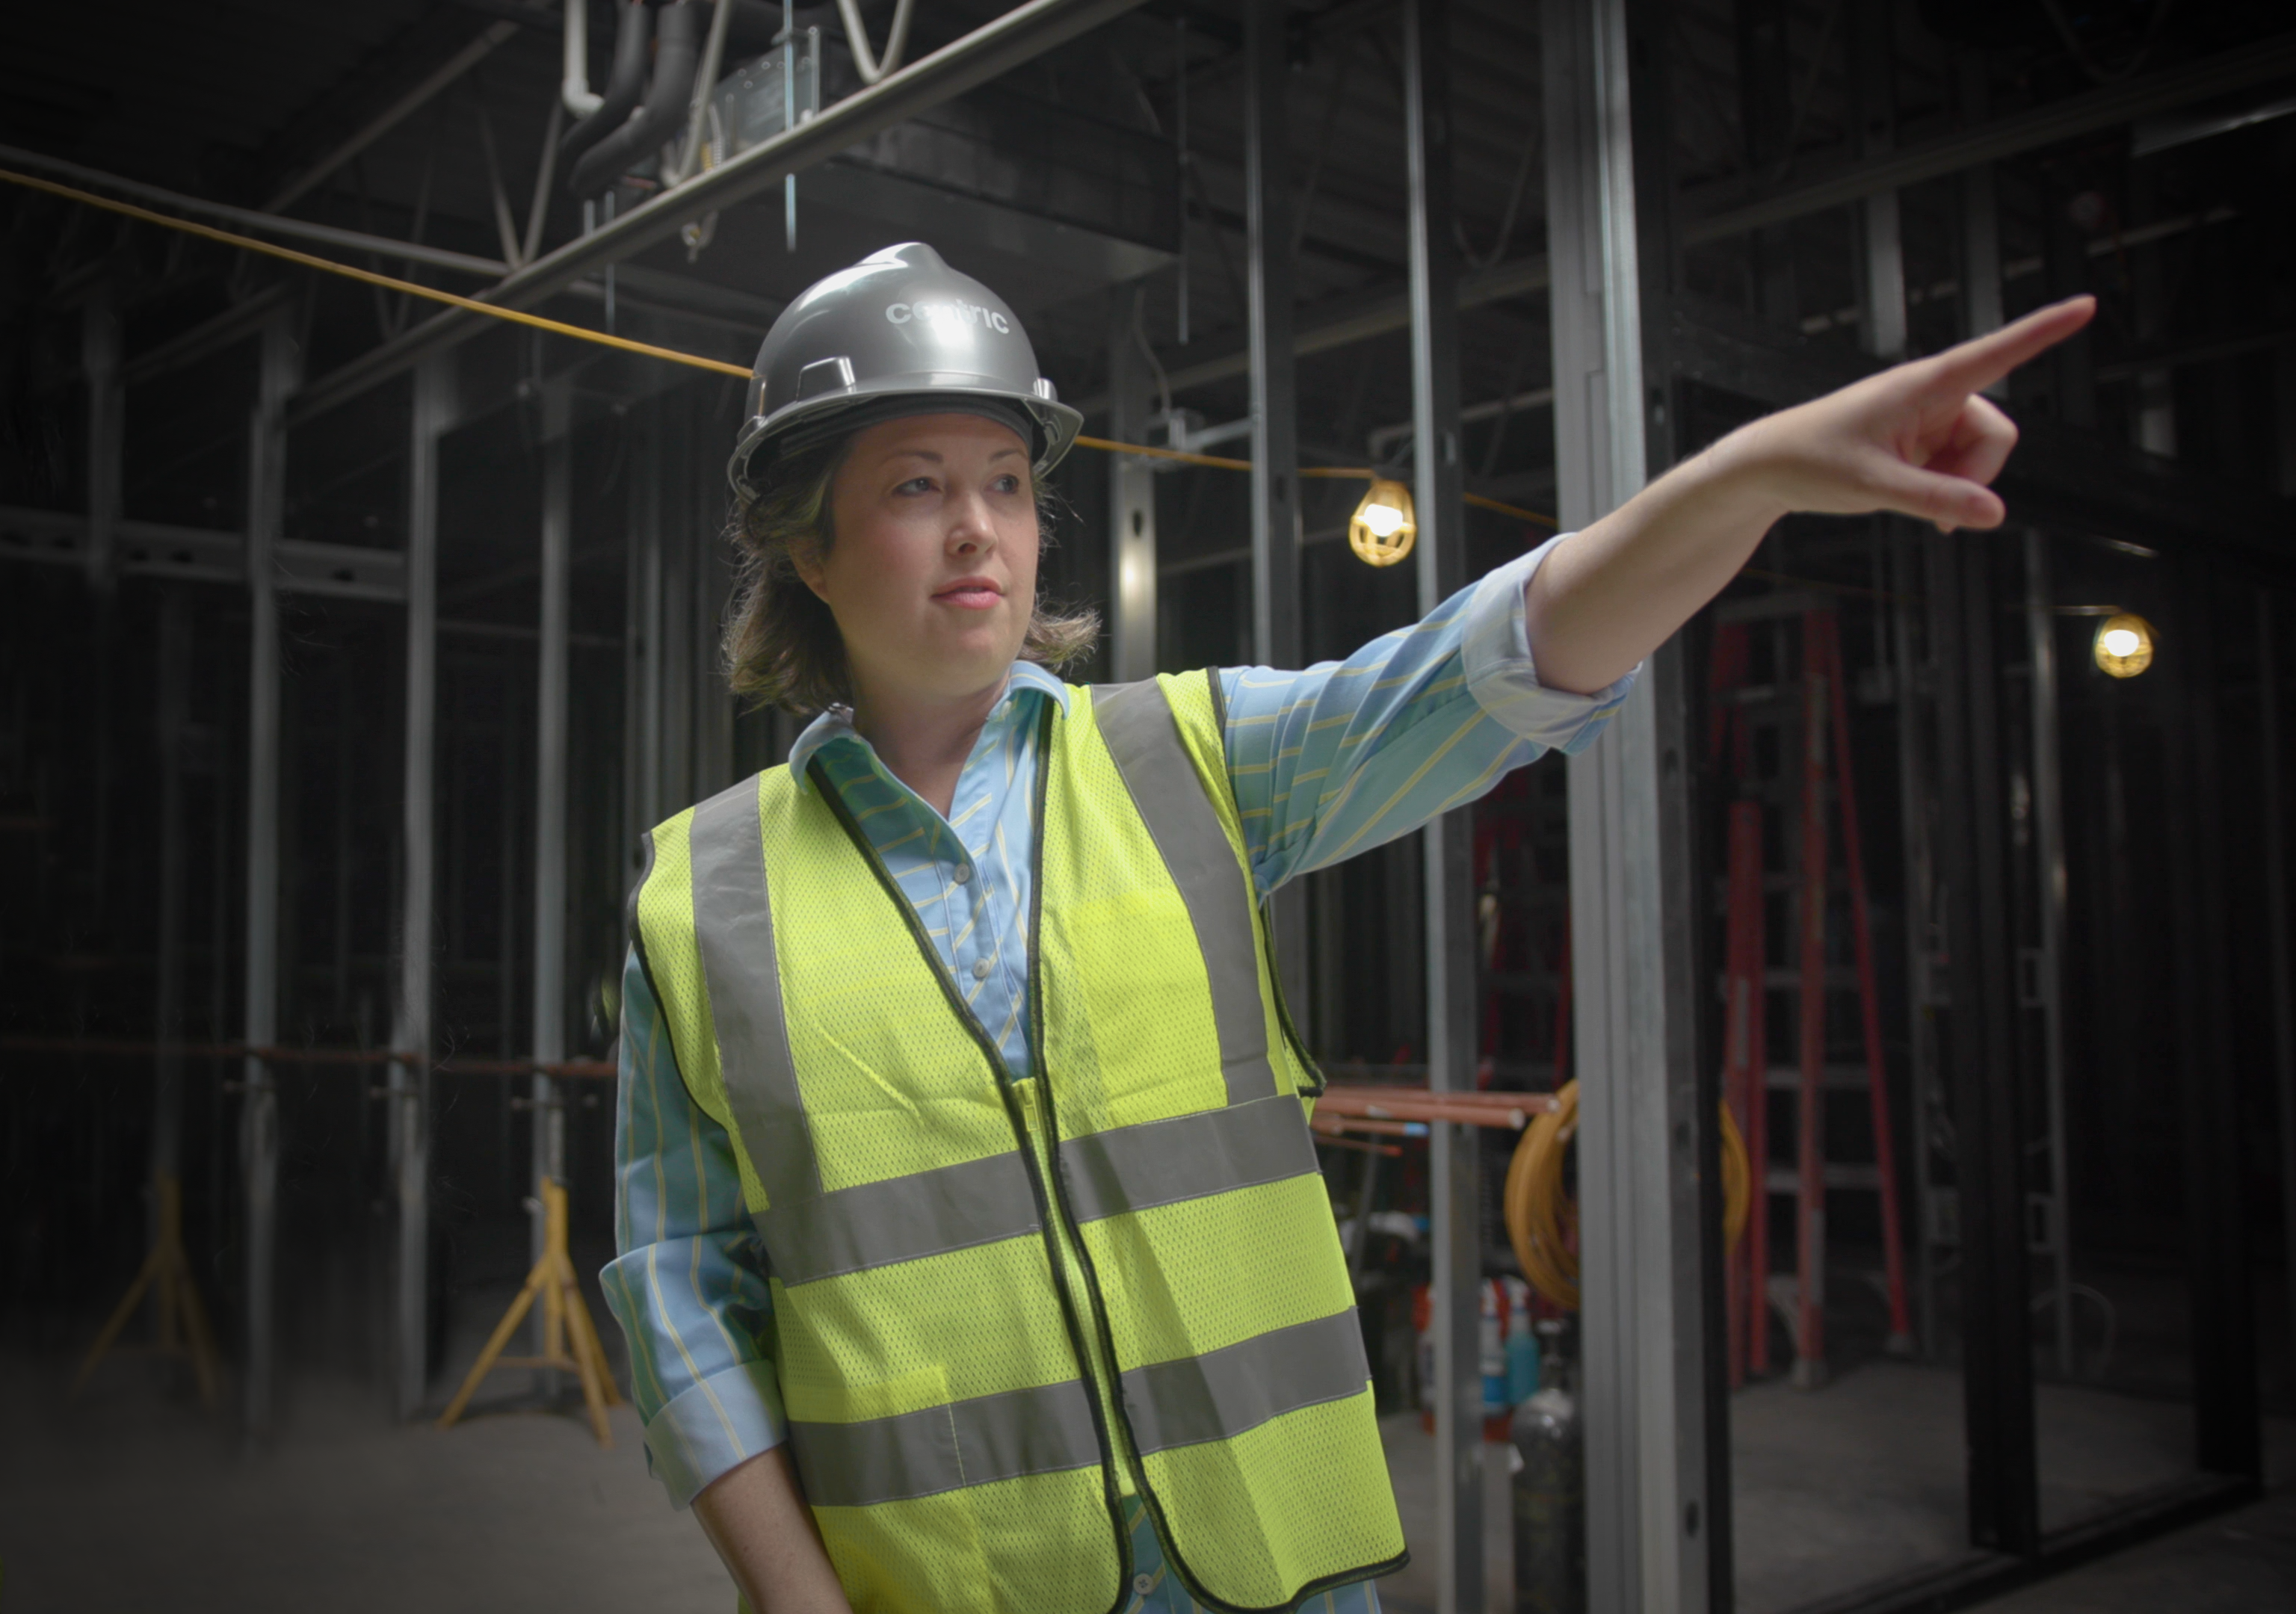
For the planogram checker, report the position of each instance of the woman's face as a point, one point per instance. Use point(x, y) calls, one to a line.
point(931, 574)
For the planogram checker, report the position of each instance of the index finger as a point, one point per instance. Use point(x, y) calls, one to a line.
point(1975, 364)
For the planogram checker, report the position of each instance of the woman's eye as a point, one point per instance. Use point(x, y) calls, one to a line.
point(921, 484)
point(1007, 484)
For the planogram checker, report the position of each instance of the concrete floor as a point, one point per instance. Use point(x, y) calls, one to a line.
point(1862, 1482)
point(131, 1499)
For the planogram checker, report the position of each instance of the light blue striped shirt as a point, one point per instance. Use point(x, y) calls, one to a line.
point(1325, 764)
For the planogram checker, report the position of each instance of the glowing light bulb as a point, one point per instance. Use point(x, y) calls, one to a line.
point(2124, 645)
point(1384, 521)
point(1384, 526)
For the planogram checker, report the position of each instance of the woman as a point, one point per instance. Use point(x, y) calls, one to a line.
point(974, 1252)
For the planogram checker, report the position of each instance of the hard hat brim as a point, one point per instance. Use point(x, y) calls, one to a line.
point(1052, 426)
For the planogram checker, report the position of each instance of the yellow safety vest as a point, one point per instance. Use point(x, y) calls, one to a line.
point(999, 1306)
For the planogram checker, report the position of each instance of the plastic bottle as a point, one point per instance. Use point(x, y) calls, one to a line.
point(1521, 1345)
point(1492, 1348)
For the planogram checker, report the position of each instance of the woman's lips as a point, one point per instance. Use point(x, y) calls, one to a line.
point(972, 595)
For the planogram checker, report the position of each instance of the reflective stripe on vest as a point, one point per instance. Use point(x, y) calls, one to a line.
point(977, 1441)
point(810, 1234)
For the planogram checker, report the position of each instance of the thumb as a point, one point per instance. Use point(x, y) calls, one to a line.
point(1936, 496)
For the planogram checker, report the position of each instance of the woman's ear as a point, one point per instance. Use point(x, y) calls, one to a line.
point(804, 560)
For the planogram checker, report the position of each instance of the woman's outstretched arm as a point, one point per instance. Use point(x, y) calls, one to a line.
point(1919, 439)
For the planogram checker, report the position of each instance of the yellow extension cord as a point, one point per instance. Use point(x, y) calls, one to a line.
point(328, 266)
point(1541, 1217)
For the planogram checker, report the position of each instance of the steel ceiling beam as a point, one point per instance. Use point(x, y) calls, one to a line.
point(397, 112)
point(251, 218)
point(1715, 213)
point(1019, 35)
point(1718, 212)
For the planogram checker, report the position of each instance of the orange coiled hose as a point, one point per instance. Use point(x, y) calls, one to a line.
point(1542, 1220)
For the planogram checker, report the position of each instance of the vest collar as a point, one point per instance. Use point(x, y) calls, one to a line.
point(836, 724)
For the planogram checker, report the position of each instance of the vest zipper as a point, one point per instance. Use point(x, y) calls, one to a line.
point(1088, 1365)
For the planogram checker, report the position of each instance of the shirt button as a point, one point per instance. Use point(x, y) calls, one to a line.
point(963, 873)
point(980, 968)
point(1144, 1583)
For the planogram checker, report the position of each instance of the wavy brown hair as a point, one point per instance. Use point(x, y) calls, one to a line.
point(781, 647)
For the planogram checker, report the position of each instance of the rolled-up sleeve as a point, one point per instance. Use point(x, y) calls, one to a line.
point(1339, 759)
point(689, 1285)
point(1495, 656)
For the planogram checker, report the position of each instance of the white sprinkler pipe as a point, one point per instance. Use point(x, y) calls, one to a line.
point(575, 91)
point(871, 69)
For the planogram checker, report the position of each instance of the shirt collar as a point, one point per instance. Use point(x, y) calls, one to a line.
point(1026, 677)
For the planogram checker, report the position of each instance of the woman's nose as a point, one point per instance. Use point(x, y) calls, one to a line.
point(970, 528)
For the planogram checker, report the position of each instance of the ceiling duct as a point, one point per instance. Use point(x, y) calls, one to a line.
point(1061, 199)
point(676, 60)
point(625, 83)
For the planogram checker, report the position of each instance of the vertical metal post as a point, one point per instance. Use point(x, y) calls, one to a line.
point(646, 737)
point(713, 592)
point(410, 1075)
point(2281, 986)
point(173, 705)
point(1643, 1129)
point(106, 418)
point(1180, 166)
point(1765, 103)
point(1882, 305)
point(1980, 217)
point(1453, 1150)
point(676, 560)
point(548, 1039)
point(2228, 1433)
point(1274, 405)
point(2049, 847)
point(258, 1116)
point(2002, 1479)
point(1131, 498)
point(1268, 280)
point(1915, 804)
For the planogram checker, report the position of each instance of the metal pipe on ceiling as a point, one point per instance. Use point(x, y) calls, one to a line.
point(677, 57)
point(625, 83)
point(1019, 35)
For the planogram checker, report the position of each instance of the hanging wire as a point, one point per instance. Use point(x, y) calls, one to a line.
point(583, 334)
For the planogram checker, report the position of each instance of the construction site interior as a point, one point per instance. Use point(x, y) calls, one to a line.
point(350, 640)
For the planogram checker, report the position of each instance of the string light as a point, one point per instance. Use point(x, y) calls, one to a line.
point(1383, 527)
point(2124, 645)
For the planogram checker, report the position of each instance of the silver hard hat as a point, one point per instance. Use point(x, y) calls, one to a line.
point(900, 333)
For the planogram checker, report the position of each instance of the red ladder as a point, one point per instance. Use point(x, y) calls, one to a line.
point(1748, 1075)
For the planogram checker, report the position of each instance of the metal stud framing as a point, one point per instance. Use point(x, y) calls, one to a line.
point(1453, 1150)
point(1131, 498)
point(548, 1034)
point(258, 1137)
point(1643, 1126)
point(409, 1093)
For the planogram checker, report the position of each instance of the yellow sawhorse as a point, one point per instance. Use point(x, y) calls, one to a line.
point(167, 1271)
point(569, 1341)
